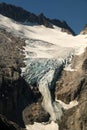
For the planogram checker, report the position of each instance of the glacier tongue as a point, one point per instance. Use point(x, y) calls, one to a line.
point(36, 68)
point(44, 73)
point(49, 105)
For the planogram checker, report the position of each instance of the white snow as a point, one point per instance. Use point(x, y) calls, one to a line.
point(62, 44)
point(69, 68)
point(40, 126)
point(68, 106)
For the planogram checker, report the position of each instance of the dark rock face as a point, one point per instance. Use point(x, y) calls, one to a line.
point(12, 86)
point(9, 72)
point(8, 125)
point(21, 15)
point(35, 113)
point(42, 20)
point(14, 12)
point(63, 25)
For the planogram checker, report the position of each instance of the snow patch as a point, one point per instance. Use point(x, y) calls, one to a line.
point(67, 106)
point(69, 68)
point(40, 126)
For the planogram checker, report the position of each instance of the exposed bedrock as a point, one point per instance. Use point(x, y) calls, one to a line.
point(8, 125)
point(15, 93)
point(73, 85)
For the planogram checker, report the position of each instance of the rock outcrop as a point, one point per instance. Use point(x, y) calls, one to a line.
point(8, 125)
point(63, 25)
point(73, 85)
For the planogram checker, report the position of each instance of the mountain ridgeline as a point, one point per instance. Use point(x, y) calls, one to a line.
point(21, 15)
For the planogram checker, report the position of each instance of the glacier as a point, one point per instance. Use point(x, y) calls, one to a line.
point(47, 53)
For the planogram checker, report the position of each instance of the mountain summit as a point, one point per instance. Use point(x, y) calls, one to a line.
point(21, 15)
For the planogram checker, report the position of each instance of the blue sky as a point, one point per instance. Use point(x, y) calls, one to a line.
point(74, 12)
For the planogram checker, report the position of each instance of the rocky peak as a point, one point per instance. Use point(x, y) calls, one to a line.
point(42, 20)
point(21, 15)
point(63, 25)
point(16, 13)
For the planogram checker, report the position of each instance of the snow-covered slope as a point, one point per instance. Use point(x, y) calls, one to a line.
point(47, 52)
point(48, 43)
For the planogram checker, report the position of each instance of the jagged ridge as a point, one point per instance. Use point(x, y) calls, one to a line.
point(21, 15)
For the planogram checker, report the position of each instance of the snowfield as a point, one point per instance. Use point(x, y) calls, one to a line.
point(56, 44)
point(47, 51)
